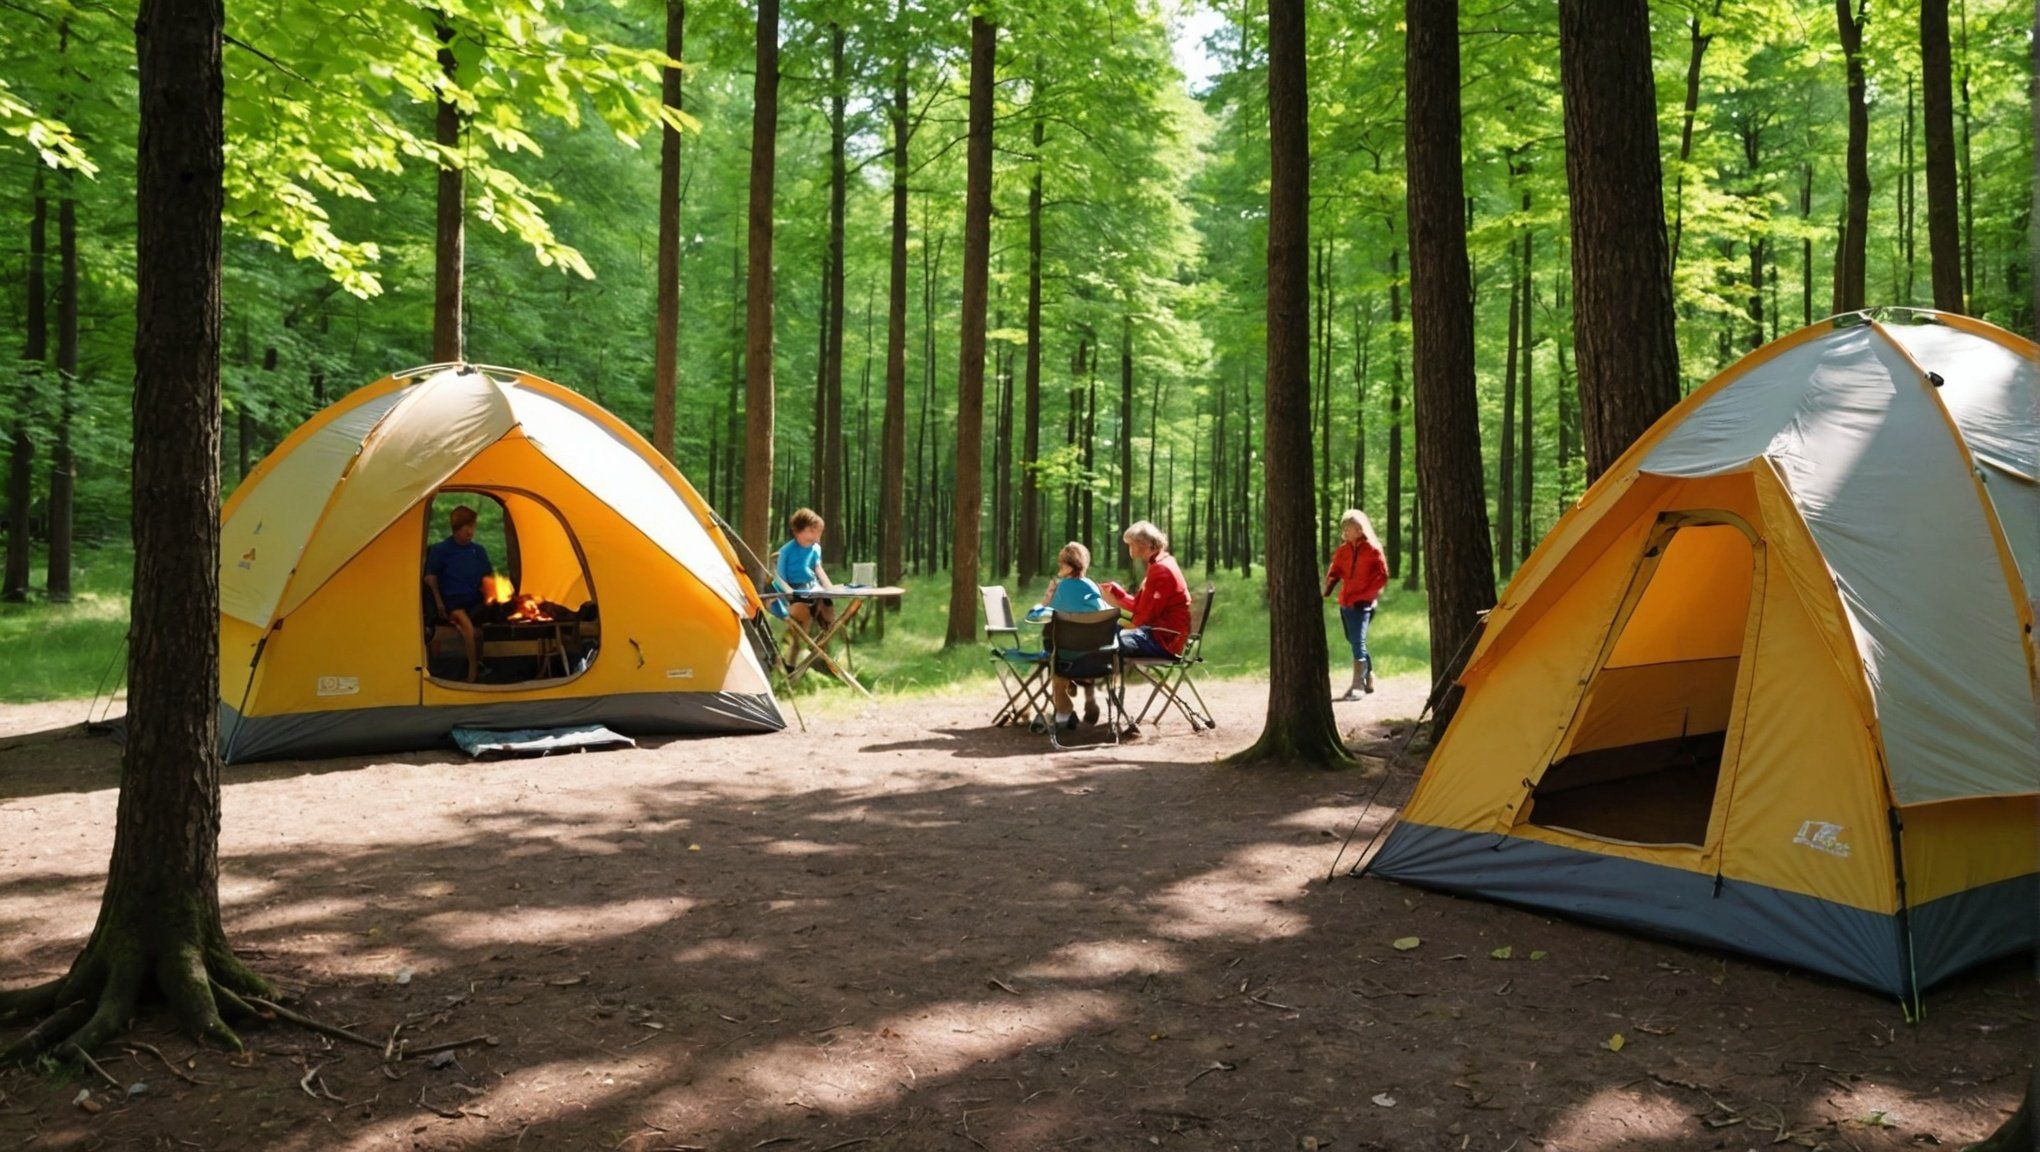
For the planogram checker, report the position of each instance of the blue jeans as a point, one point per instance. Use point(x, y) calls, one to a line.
point(1138, 643)
point(1356, 620)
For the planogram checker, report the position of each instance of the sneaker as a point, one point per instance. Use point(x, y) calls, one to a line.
point(1090, 712)
point(1067, 723)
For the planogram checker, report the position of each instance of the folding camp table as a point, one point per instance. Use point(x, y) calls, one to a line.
point(816, 646)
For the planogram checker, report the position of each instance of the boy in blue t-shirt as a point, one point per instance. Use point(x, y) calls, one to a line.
point(800, 569)
point(454, 570)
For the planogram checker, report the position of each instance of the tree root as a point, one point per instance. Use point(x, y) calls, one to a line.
point(97, 1000)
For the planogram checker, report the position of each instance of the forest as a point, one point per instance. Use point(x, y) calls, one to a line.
point(1126, 331)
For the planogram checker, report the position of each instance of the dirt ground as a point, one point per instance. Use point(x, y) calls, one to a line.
point(902, 929)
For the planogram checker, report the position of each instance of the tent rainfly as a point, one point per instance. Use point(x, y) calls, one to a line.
point(1770, 685)
point(322, 630)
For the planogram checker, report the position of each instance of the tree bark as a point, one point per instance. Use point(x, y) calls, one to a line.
point(1392, 535)
point(970, 385)
point(666, 340)
point(758, 398)
point(1849, 261)
point(892, 461)
point(1452, 506)
point(831, 444)
point(1505, 473)
point(1697, 41)
point(1300, 727)
point(159, 918)
point(1622, 319)
point(63, 477)
point(449, 248)
point(1944, 235)
point(21, 454)
point(1126, 513)
point(1033, 548)
point(1528, 447)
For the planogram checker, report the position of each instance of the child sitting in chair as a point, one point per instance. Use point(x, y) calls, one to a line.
point(800, 570)
point(1070, 591)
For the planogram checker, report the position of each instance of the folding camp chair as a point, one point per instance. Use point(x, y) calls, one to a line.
point(1083, 648)
point(1171, 676)
point(1022, 672)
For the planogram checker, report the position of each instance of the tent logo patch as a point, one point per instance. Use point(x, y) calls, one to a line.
point(339, 685)
point(248, 559)
point(1822, 836)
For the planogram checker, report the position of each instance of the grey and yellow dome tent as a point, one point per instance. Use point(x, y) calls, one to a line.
point(322, 630)
point(1769, 686)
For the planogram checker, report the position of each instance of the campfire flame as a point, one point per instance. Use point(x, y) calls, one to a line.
point(497, 588)
point(528, 608)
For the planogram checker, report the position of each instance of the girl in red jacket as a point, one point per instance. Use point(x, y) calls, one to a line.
point(1360, 572)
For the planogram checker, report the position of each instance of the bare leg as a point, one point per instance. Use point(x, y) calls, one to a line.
point(471, 639)
point(798, 616)
point(1059, 692)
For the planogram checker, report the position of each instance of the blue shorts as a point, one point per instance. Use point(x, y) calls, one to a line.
point(1139, 644)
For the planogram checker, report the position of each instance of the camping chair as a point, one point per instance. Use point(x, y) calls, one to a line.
point(1171, 676)
point(1022, 672)
point(797, 649)
point(1083, 648)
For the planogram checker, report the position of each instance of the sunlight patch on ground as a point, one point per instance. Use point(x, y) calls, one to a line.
point(1624, 1118)
point(1240, 898)
point(885, 1060)
point(1102, 960)
point(803, 848)
point(578, 924)
point(720, 952)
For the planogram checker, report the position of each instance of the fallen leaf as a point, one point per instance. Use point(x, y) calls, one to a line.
point(403, 975)
point(1407, 943)
point(1384, 1099)
point(1538, 955)
point(694, 847)
point(565, 981)
point(1614, 1043)
point(1502, 953)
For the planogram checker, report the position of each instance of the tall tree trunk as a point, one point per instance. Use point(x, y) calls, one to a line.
point(1697, 41)
point(1806, 245)
point(1907, 198)
point(1752, 141)
point(970, 386)
point(1126, 514)
point(1299, 727)
point(666, 340)
point(818, 437)
point(1453, 508)
point(1622, 320)
point(1090, 441)
point(1849, 262)
point(1944, 237)
point(1392, 535)
point(21, 453)
point(159, 918)
point(1243, 496)
point(1002, 440)
point(892, 459)
point(1033, 548)
point(758, 393)
point(1968, 173)
point(1505, 473)
point(450, 244)
point(831, 443)
point(1362, 344)
point(1527, 448)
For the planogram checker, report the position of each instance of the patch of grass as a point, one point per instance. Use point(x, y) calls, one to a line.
point(911, 661)
point(60, 651)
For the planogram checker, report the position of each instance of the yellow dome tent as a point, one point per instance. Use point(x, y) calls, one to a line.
point(323, 641)
point(1770, 685)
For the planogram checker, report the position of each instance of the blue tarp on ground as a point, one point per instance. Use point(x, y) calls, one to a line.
point(479, 742)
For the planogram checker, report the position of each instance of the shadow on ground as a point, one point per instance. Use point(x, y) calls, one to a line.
point(904, 932)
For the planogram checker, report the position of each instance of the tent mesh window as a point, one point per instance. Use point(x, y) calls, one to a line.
point(1643, 757)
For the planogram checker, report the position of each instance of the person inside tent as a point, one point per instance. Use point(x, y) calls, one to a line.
point(454, 570)
point(1070, 591)
point(1161, 609)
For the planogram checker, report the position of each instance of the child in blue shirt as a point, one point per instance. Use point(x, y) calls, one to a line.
point(1071, 591)
point(800, 569)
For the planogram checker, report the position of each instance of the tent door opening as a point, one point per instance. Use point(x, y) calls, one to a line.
point(1642, 759)
point(539, 623)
